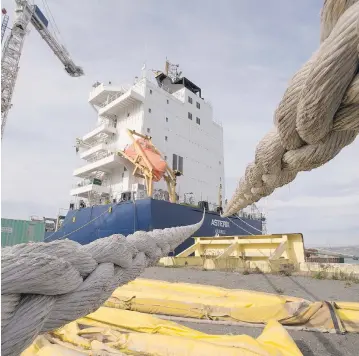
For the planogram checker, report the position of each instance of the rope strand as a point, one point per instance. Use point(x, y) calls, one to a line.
point(47, 285)
point(318, 115)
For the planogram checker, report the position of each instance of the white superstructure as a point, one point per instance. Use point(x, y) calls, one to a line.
point(180, 122)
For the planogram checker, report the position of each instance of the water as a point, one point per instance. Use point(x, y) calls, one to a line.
point(349, 260)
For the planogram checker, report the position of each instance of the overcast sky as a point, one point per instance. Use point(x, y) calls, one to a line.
point(242, 54)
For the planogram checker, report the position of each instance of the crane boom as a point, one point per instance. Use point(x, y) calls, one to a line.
point(39, 21)
point(4, 23)
point(24, 14)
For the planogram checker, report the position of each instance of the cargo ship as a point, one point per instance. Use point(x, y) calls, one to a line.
point(154, 160)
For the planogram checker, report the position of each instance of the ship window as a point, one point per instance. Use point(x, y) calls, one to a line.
point(149, 110)
point(174, 162)
point(166, 138)
point(148, 130)
point(150, 91)
point(166, 119)
point(180, 164)
point(124, 169)
point(220, 162)
point(177, 163)
point(198, 120)
point(190, 100)
point(198, 105)
point(168, 101)
point(128, 114)
point(165, 158)
point(190, 116)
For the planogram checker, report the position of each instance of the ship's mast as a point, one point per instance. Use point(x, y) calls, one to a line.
point(171, 70)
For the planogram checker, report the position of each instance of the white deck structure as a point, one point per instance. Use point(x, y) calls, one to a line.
point(181, 124)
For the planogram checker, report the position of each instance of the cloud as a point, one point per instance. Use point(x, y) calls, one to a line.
point(241, 53)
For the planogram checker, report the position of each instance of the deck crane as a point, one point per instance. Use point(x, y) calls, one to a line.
point(24, 14)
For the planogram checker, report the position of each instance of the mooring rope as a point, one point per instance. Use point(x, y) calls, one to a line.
point(47, 285)
point(318, 115)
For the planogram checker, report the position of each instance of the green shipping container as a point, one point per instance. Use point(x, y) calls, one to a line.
point(15, 232)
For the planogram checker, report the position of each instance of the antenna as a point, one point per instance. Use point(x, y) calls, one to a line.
point(171, 70)
point(144, 70)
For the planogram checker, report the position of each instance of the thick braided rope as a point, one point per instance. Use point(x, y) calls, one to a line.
point(46, 285)
point(318, 115)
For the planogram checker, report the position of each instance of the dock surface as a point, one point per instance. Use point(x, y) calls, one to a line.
point(310, 343)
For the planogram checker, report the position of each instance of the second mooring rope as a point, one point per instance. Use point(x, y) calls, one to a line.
point(318, 115)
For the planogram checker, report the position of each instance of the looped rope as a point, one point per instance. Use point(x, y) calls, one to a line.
point(318, 115)
point(47, 285)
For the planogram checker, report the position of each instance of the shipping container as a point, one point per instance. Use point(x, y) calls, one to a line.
point(40, 17)
point(15, 232)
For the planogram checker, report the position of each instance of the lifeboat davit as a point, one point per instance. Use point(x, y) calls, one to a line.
point(156, 162)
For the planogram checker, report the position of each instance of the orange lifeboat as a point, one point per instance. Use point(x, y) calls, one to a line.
point(152, 158)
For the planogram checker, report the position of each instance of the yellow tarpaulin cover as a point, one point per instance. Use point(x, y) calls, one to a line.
point(198, 301)
point(348, 313)
point(115, 331)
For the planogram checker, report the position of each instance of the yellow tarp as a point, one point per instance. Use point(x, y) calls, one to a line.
point(118, 331)
point(198, 301)
point(113, 330)
point(348, 313)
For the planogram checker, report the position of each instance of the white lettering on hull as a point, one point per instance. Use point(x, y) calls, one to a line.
point(219, 223)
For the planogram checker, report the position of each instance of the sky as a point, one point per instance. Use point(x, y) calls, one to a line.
point(242, 53)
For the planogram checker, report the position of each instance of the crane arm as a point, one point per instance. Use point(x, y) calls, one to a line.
point(26, 13)
point(40, 22)
point(5, 20)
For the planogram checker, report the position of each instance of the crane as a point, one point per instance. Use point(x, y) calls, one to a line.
point(24, 14)
point(143, 167)
point(5, 20)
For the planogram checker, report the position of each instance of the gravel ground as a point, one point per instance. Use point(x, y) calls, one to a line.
point(310, 343)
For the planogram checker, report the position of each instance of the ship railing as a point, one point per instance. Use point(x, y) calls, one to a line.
point(99, 155)
point(105, 140)
point(82, 183)
point(160, 85)
point(88, 181)
point(111, 98)
point(251, 216)
point(106, 121)
point(168, 90)
point(95, 156)
point(114, 95)
point(99, 138)
point(81, 144)
point(139, 86)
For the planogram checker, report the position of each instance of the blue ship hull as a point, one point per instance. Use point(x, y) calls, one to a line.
point(88, 224)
